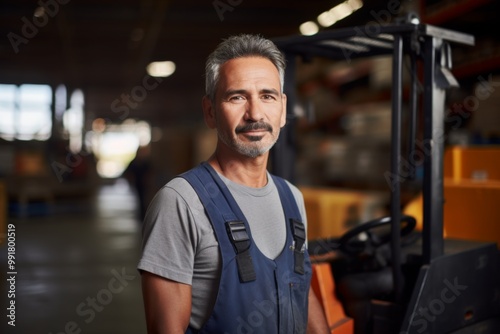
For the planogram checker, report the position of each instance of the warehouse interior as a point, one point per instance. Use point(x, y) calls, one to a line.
point(79, 102)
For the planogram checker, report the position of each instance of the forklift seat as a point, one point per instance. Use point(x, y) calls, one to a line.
point(323, 286)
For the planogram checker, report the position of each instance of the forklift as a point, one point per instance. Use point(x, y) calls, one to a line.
point(400, 280)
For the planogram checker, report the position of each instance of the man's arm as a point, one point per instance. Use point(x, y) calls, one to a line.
point(316, 323)
point(167, 304)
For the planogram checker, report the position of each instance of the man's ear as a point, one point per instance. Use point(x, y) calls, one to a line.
point(283, 114)
point(208, 112)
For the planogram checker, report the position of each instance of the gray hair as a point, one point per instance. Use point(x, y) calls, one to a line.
point(237, 47)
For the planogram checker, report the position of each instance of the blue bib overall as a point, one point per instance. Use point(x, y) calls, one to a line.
point(256, 294)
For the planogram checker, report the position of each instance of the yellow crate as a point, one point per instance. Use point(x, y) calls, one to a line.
point(472, 163)
point(331, 212)
point(471, 210)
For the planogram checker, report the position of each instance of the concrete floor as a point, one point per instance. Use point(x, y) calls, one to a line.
point(76, 268)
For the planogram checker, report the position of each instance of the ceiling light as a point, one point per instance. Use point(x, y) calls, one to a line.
point(308, 28)
point(355, 4)
point(342, 11)
point(327, 19)
point(337, 13)
point(161, 68)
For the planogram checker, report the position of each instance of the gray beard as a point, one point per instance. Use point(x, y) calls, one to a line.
point(249, 150)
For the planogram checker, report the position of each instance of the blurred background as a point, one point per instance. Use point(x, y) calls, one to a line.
point(100, 106)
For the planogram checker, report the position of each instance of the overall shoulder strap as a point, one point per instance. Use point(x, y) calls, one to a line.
point(292, 214)
point(218, 202)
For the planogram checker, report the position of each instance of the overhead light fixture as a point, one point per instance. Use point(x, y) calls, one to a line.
point(343, 10)
point(355, 4)
point(308, 28)
point(327, 18)
point(339, 12)
point(161, 68)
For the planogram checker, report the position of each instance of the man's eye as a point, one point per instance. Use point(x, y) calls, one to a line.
point(236, 98)
point(268, 97)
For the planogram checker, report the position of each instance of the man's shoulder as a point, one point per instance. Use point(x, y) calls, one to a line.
point(177, 182)
point(177, 187)
point(174, 195)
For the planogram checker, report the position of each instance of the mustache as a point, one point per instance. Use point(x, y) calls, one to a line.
point(254, 126)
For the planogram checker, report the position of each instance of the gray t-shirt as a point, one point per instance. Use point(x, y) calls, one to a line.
point(180, 244)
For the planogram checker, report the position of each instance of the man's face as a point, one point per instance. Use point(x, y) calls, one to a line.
point(249, 108)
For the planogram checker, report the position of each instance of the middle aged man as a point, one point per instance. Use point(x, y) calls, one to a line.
point(224, 243)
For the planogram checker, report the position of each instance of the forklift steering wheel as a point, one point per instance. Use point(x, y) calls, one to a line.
point(354, 247)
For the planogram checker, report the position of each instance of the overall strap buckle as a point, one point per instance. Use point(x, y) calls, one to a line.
point(238, 235)
point(299, 239)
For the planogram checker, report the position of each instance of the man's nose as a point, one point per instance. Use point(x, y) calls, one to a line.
point(254, 110)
